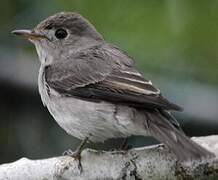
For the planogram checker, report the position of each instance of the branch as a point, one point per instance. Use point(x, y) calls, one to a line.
point(153, 162)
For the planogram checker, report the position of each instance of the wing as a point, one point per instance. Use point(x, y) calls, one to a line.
point(105, 75)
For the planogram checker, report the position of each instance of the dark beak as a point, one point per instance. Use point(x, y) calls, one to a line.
point(29, 34)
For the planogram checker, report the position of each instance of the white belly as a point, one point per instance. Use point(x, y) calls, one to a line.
point(98, 121)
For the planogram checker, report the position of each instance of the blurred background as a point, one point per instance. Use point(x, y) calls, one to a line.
point(174, 43)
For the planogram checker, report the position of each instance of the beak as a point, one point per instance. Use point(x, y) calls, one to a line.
point(29, 34)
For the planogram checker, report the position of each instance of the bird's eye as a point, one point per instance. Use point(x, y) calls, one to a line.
point(61, 33)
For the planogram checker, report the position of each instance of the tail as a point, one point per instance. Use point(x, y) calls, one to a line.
point(162, 129)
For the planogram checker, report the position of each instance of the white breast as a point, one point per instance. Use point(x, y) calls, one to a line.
point(98, 121)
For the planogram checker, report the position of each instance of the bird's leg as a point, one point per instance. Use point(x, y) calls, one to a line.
point(77, 153)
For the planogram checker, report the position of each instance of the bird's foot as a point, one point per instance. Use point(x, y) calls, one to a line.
point(125, 146)
point(68, 152)
point(77, 154)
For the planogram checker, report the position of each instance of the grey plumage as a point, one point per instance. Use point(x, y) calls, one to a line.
point(97, 74)
point(93, 89)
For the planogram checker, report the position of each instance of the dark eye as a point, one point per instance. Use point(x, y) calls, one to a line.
point(61, 33)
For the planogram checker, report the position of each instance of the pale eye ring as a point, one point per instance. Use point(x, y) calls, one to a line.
point(61, 33)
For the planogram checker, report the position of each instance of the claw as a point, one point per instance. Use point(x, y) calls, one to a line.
point(77, 154)
point(124, 146)
point(68, 152)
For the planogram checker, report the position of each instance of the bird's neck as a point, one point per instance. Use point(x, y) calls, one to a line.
point(83, 43)
point(65, 52)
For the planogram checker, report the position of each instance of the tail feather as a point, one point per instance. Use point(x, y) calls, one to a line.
point(185, 149)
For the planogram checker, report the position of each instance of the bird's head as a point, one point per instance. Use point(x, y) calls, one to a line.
point(61, 35)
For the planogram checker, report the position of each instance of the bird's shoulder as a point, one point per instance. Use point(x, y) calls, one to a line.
point(91, 65)
point(106, 52)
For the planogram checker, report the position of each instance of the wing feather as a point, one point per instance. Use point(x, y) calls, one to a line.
point(97, 75)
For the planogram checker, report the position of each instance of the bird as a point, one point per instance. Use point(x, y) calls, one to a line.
point(94, 91)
